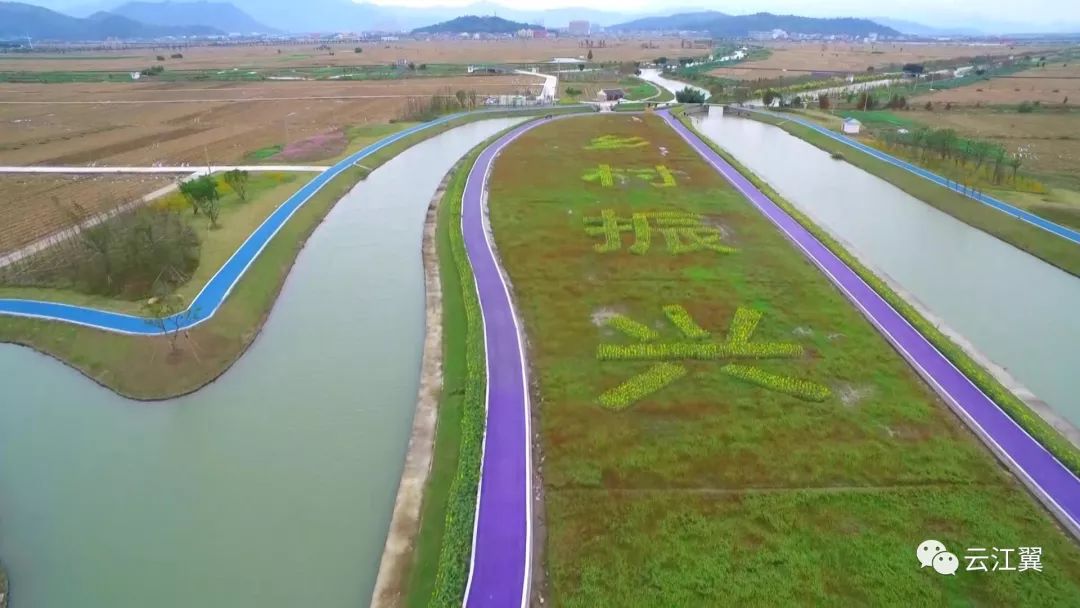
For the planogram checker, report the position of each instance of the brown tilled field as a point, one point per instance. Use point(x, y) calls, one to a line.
point(35, 206)
point(1050, 86)
point(375, 53)
point(1049, 140)
point(802, 57)
point(176, 123)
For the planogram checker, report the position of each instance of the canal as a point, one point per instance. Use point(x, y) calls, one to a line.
point(272, 487)
point(1014, 308)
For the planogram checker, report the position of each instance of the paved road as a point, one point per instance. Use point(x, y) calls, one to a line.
point(551, 83)
point(1053, 484)
point(502, 539)
point(1020, 214)
point(210, 299)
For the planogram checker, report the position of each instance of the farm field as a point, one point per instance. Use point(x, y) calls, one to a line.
point(719, 425)
point(148, 123)
point(35, 206)
point(374, 53)
point(852, 57)
point(1050, 86)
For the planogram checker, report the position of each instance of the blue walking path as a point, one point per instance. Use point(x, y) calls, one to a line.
point(213, 295)
point(1020, 214)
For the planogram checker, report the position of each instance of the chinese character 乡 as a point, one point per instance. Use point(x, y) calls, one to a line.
point(683, 232)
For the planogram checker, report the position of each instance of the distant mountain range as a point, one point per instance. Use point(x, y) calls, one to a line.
point(720, 24)
point(218, 15)
point(19, 21)
point(327, 16)
point(473, 24)
point(345, 16)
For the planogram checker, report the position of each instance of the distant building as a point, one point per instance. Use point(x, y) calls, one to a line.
point(579, 28)
point(759, 35)
point(852, 126)
point(540, 33)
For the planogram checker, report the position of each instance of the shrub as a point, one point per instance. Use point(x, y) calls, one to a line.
point(358, 50)
point(1025, 107)
point(656, 378)
point(802, 389)
point(124, 256)
point(461, 501)
point(630, 327)
point(160, 58)
point(698, 351)
point(573, 92)
point(176, 56)
point(667, 179)
point(642, 234)
point(682, 320)
point(688, 95)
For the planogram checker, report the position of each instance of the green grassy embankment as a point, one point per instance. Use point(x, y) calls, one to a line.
point(145, 368)
point(719, 425)
point(1048, 247)
point(443, 545)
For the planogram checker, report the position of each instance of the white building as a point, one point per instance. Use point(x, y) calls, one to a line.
point(852, 126)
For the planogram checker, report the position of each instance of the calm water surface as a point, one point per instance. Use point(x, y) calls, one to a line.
point(1016, 309)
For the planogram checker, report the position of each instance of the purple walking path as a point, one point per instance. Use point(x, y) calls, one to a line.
point(1053, 484)
point(502, 534)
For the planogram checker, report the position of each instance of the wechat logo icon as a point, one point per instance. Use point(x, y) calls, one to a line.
point(932, 553)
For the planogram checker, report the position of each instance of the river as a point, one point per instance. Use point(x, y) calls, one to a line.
point(273, 486)
point(674, 86)
point(1014, 308)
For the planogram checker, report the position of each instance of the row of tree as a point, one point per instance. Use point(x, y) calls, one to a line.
point(946, 145)
point(202, 193)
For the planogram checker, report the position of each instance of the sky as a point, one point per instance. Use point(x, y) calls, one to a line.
point(930, 12)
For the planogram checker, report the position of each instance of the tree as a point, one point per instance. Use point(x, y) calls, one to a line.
point(913, 68)
point(768, 97)
point(202, 193)
point(358, 50)
point(166, 313)
point(1015, 161)
point(688, 95)
point(590, 55)
point(661, 61)
point(823, 101)
point(866, 101)
point(581, 67)
point(462, 97)
point(237, 180)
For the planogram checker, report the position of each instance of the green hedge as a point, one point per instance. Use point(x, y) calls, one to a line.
point(1013, 406)
point(453, 567)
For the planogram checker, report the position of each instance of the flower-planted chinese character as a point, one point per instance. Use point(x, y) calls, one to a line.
point(682, 232)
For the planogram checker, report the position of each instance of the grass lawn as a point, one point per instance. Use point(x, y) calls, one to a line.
point(1052, 249)
point(143, 368)
point(710, 485)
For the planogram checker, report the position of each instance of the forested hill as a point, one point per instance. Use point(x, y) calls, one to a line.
point(473, 24)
